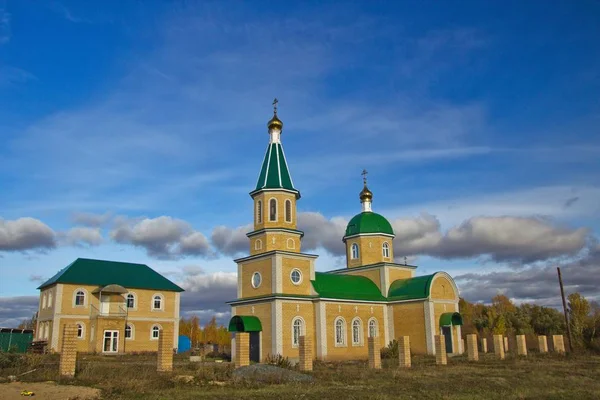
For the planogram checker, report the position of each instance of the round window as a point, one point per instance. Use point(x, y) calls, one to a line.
point(256, 280)
point(296, 276)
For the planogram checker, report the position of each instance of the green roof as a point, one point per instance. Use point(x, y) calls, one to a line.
point(84, 271)
point(451, 318)
point(349, 287)
point(368, 222)
point(410, 289)
point(274, 173)
point(245, 323)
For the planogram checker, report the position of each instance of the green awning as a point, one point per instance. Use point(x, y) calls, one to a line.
point(451, 318)
point(245, 323)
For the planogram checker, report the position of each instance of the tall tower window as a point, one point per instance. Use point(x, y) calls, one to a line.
point(386, 250)
point(340, 332)
point(273, 210)
point(288, 211)
point(354, 248)
point(356, 332)
point(259, 212)
point(297, 331)
point(373, 327)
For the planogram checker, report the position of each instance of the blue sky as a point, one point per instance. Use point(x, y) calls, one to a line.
point(134, 131)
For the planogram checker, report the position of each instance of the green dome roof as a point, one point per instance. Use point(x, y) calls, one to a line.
point(368, 222)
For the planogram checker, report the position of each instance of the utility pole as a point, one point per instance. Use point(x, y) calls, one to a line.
point(562, 294)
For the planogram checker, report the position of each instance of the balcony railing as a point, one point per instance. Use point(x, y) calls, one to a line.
point(108, 310)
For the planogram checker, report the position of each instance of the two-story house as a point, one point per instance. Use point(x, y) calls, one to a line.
point(118, 307)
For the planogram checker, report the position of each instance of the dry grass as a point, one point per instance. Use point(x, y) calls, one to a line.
point(535, 377)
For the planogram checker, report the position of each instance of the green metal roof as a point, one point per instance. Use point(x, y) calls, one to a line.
point(245, 323)
point(451, 318)
point(349, 287)
point(274, 173)
point(84, 271)
point(368, 222)
point(410, 289)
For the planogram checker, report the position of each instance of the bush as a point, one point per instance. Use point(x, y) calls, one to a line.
point(217, 355)
point(9, 360)
point(279, 361)
point(391, 351)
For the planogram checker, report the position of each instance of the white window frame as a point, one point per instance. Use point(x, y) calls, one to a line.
point(85, 298)
point(285, 206)
point(344, 340)
point(44, 301)
point(292, 245)
point(132, 330)
point(301, 276)
point(135, 302)
point(375, 324)
point(302, 330)
point(112, 331)
point(258, 244)
point(276, 209)
point(82, 325)
point(259, 216)
point(354, 255)
point(162, 302)
point(259, 280)
point(385, 249)
point(50, 298)
point(152, 331)
point(359, 341)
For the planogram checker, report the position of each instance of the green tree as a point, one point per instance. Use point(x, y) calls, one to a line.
point(579, 317)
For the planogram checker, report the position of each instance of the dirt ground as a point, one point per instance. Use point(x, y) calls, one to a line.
point(47, 391)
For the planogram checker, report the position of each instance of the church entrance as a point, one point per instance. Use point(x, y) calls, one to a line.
point(255, 346)
point(447, 332)
point(251, 325)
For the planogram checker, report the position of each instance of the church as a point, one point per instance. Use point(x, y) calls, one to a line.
point(280, 295)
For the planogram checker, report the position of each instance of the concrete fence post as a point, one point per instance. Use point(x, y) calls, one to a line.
point(472, 350)
point(505, 338)
point(440, 350)
point(374, 353)
point(559, 343)
point(404, 352)
point(521, 345)
point(68, 352)
point(484, 348)
point(499, 346)
point(165, 351)
point(305, 352)
point(242, 349)
point(543, 344)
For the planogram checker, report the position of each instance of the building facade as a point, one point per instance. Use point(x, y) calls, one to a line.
point(118, 307)
point(281, 297)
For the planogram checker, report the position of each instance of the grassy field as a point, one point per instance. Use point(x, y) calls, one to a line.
point(535, 377)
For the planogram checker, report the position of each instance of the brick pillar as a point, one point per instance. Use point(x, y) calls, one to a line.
point(165, 350)
point(499, 346)
point(404, 351)
point(374, 353)
point(440, 350)
point(305, 350)
point(521, 345)
point(543, 344)
point(68, 352)
point(484, 345)
point(242, 349)
point(505, 344)
point(472, 350)
point(559, 343)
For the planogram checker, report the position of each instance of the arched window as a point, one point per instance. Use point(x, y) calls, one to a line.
point(79, 298)
point(297, 331)
point(354, 251)
point(44, 297)
point(373, 328)
point(258, 244)
point(273, 210)
point(129, 331)
point(80, 330)
point(357, 331)
point(130, 300)
point(157, 302)
point(386, 250)
point(259, 211)
point(155, 333)
point(288, 211)
point(291, 244)
point(49, 299)
point(340, 332)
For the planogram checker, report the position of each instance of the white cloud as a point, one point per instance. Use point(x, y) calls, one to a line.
point(231, 241)
point(90, 219)
point(25, 234)
point(79, 236)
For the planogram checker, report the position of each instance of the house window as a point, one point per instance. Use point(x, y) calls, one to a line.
point(373, 328)
point(44, 300)
point(273, 210)
point(157, 302)
point(386, 250)
point(256, 280)
point(258, 244)
point(130, 300)
point(80, 298)
point(259, 211)
point(340, 332)
point(155, 332)
point(80, 330)
point(296, 276)
point(288, 211)
point(50, 299)
point(129, 331)
point(354, 251)
point(356, 332)
point(297, 331)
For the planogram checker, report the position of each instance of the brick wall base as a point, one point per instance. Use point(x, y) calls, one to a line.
point(404, 352)
point(374, 353)
point(242, 349)
point(165, 351)
point(305, 350)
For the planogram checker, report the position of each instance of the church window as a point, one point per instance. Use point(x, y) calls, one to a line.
point(273, 210)
point(256, 280)
point(386, 250)
point(291, 244)
point(79, 298)
point(130, 300)
point(44, 300)
point(340, 332)
point(373, 328)
point(258, 244)
point(297, 331)
point(296, 276)
point(354, 251)
point(288, 211)
point(357, 332)
point(80, 330)
point(259, 212)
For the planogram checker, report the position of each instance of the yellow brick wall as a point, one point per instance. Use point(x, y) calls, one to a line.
point(281, 222)
point(348, 312)
point(289, 264)
point(372, 274)
point(396, 273)
point(141, 340)
point(48, 311)
point(263, 312)
point(409, 320)
point(264, 267)
point(442, 289)
point(370, 250)
point(289, 311)
point(275, 241)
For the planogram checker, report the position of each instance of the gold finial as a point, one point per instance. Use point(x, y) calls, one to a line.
point(275, 122)
point(365, 194)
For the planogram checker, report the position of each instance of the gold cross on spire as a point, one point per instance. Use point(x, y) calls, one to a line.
point(275, 105)
point(364, 175)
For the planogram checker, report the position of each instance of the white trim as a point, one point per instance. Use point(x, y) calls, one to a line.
point(55, 333)
point(176, 318)
point(429, 326)
point(366, 206)
point(344, 333)
point(383, 248)
point(449, 278)
point(135, 301)
point(85, 298)
point(50, 299)
point(82, 324)
point(239, 281)
point(277, 154)
point(104, 337)
point(273, 328)
point(279, 323)
point(162, 302)
point(269, 149)
point(44, 300)
point(345, 238)
point(259, 214)
point(285, 203)
point(260, 280)
point(132, 331)
point(276, 209)
point(360, 341)
point(152, 331)
point(278, 277)
point(293, 246)
point(373, 319)
point(388, 315)
point(352, 247)
point(292, 279)
point(286, 164)
point(302, 330)
point(321, 330)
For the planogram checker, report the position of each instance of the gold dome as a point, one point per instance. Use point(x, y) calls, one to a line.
point(366, 194)
point(275, 123)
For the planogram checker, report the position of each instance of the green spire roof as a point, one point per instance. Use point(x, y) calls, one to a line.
point(85, 271)
point(275, 173)
point(368, 222)
point(349, 287)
